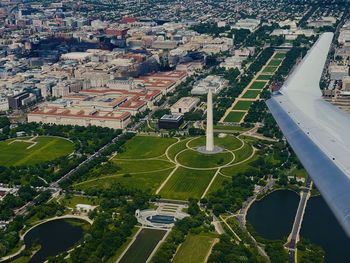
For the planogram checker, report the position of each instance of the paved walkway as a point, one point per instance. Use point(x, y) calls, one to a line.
point(293, 237)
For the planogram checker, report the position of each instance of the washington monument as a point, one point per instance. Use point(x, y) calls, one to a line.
point(210, 136)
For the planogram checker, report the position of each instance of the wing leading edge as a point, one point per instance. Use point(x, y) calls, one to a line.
point(316, 130)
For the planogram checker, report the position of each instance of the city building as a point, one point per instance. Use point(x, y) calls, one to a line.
point(20, 100)
point(170, 122)
point(346, 83)
point(247, 23)
point(4, 104)
point(80, 117)
point(185, 104)
point(215, 83)
point(338, 72)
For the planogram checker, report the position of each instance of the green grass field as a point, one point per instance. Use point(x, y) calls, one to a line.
point(269, 69)
point(176, 148)
point(257, 85)
point(243, 153)
point(299, 173)
point(275, 63)
point(195, 248)
point(72, 201)
point(238, 168)
point(251, 94)
point(145, 181)
point(137, 166)
point(22, 259)
point(242, 105)
point(264, 77)
point(150, 174)
point(145, 147)
point(234, 116)
point(186, 183)
point(218, 183)
point(44, 148)
point(228, 142)
point(194, 159)
point(279, 56)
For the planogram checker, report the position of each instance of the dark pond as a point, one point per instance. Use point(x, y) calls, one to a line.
point(272, 217)
point(54, 237)
point(321, 228)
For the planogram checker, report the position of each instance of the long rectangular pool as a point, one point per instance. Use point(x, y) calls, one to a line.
point(142, 247)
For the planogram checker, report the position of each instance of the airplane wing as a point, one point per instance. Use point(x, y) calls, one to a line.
point(318, 131)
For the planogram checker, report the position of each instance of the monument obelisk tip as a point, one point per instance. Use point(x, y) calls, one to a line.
point(210, 134)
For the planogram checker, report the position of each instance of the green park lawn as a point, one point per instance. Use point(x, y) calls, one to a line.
point(299, 173)
point(242, 105)
point(194, 159)
point(234, 116)
point(279, 55)
point(195, 248)
point(243, 153)
point(264, 77)
point(257, 85)
point(149, 174)
point(22, 259)
point(239, 167)
point(228, 142)
point(269, 69)
point(72, 201)
point(136, 166)
point(145, 147)
point(218, 182)
point(251, 94)
point(15, 153)
point(144, 181)
point(186, 183)
point(275, 63)
point(177, 147)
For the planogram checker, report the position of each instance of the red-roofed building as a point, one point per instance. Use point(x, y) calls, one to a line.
point(117, 32)
point(128, 20)
point(81, 117)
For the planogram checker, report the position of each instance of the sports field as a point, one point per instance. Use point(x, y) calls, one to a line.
point(30, 151)
point(257, 85)
point(251, 94)
point(200, 243)
point(235, 116)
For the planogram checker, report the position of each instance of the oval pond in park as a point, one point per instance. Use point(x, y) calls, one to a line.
point(54, 237)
